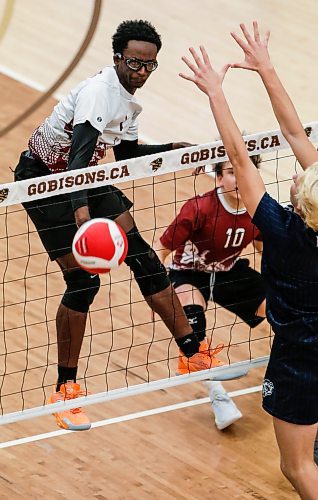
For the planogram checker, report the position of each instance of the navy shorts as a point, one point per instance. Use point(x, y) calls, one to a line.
point(290, 387)
point(53, 217)
point(240, 290)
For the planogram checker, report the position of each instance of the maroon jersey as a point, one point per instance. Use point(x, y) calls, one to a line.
point(208, 235)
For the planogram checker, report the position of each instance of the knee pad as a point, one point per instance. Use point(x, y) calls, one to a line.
point(81, 288)
point(149, 272)
point(197, 320)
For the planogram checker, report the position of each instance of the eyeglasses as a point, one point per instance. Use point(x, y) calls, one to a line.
point(136, 64)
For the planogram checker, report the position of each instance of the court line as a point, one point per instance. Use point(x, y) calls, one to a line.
point(126, 418)
point(65, 74)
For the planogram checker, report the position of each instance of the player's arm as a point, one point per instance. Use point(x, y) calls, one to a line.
point(257, 59)
point(249, 181)
point(82, 148)
point(258, 245)
point(131, 149)
point(162, 252)
point(178, 232)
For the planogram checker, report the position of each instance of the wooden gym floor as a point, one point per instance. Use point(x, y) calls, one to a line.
point(176, 455)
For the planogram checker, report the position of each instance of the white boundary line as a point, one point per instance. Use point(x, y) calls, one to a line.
point(21, 79)
point(126, 418)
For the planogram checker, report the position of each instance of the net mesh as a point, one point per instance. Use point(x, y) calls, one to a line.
point(123, 343)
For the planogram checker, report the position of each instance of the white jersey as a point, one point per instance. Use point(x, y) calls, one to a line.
point(104, 103)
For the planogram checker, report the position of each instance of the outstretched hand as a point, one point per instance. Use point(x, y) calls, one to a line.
point(204, 76)
point(255, 49)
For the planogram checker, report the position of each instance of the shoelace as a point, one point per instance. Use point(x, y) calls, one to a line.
point(73, 395)
point(213, 351)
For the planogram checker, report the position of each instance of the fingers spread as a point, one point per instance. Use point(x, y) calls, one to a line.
point(189, 63)
point(187, 77)
point(239, 41)
point(205, 56)
point(248, 37)
point(195, 57)
point(256, 32)
point(266, 37)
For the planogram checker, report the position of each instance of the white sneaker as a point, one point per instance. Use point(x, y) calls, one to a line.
point(225, 410)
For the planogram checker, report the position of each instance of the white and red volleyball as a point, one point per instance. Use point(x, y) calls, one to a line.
point(100, 245)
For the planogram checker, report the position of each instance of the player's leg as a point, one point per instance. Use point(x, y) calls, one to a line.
point(194, 303)
point(290, 391)
point(296, 443)
point(241, 291)
point(158, 292)
point(54, 221)
point(81, 288)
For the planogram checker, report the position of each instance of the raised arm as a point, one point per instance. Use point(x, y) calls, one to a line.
point(250, 183)
point(257, 59)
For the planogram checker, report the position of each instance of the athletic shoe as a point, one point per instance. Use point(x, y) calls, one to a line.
point(225, 410)
point(202, 360)
point(208, 360)
point(74, 419)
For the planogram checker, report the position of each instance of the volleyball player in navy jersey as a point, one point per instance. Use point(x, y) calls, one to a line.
point(289, 262)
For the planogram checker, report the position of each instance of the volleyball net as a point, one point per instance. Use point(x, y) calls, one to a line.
point(125, 351)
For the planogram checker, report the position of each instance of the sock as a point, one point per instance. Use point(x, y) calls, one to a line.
point(189, 344)
point(64, 374)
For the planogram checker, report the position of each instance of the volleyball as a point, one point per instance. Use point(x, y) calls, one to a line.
point(100, 245)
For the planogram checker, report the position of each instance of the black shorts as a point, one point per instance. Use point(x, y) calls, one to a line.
point(53, 217)
point(290, 387)
point(240, 290)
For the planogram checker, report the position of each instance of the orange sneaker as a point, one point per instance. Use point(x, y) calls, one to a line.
point(74, 419)
point(202, 360)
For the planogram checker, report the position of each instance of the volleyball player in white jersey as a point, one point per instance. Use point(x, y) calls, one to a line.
point(100, 113)
point(207, 237)
point(289, 261)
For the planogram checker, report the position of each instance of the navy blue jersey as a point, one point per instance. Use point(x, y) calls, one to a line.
point(290, 268)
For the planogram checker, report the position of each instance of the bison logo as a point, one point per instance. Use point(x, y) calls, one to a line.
point(3, 194)
point(268, 388)
point(156, 164)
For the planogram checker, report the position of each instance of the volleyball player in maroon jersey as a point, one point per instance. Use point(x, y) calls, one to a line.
point(207, 237)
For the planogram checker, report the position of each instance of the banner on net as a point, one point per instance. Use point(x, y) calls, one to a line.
point(141, 167)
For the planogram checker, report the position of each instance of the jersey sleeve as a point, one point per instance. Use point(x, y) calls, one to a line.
point(181, 228)
point(92, 105)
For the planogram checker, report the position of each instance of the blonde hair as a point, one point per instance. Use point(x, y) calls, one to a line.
point(307, 196)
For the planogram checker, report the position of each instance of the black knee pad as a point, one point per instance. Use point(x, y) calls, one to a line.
point(81, 288)
point(149, 273)
point(197, 320)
